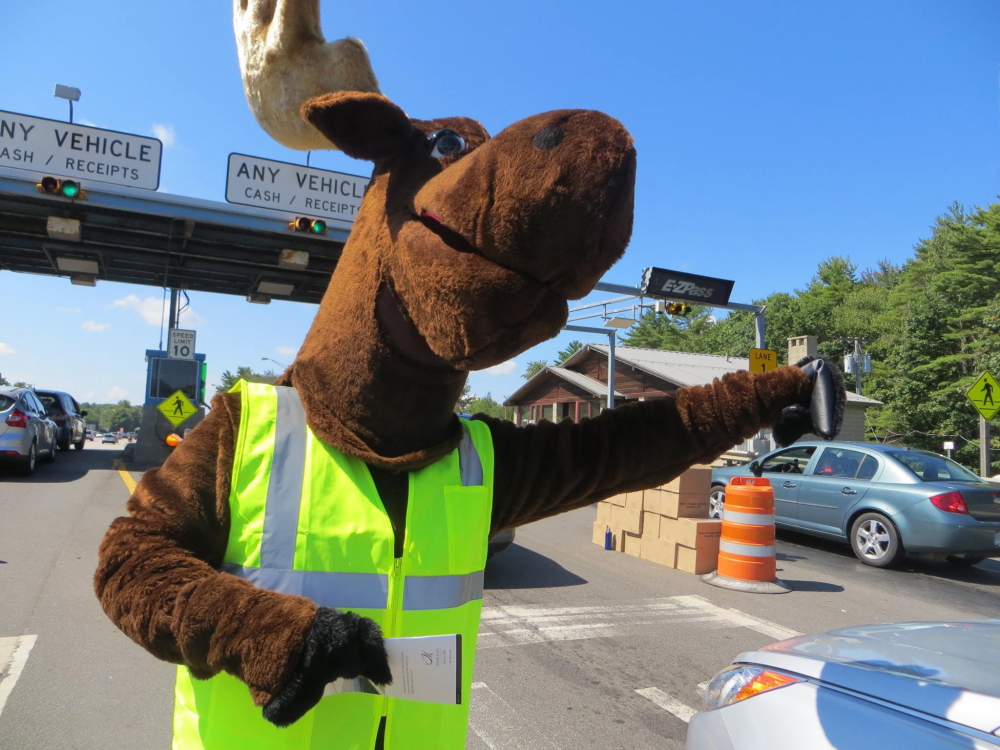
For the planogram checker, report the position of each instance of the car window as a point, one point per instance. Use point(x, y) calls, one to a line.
point(792, 461)
point(76, 406)
point(51, 403)
point(36, 405)
point(5, 402)
point(868, 468)
point(839, 462)
point(932, 468)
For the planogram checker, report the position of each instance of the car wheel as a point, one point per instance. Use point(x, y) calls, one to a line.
point(51, 456)
point(79, 445)
point(716, 500)
point(28, 467)
point(964, 561)
point(63, 442)
point(875, 540)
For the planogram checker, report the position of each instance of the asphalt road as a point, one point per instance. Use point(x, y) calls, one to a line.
point(579, 648)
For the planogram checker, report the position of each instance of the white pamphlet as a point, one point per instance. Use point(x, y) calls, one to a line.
point(424, 668)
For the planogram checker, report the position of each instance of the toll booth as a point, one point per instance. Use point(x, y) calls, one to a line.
point(174, 402)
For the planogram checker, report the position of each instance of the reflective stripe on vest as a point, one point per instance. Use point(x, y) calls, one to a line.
point(307, 520)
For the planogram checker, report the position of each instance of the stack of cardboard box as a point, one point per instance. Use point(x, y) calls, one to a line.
point(668, 525)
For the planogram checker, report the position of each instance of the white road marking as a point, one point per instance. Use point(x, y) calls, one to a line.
point(13, 654)
point(498, 726)
point(742, 619)
point(520, 625)
point(668, 703)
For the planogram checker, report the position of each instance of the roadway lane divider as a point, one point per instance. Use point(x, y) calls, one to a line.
point(747, 560)
point(119, 466)
point(13, 655)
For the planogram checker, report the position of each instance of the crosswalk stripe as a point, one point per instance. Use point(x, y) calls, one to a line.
point(668, 703)
point(498, 726)
point(13, 654)
point(736, 617)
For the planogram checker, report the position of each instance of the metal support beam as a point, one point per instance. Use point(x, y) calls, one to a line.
point(611, 356)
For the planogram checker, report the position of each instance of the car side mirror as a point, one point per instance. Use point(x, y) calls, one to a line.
point(83, 413)
point(755, 468)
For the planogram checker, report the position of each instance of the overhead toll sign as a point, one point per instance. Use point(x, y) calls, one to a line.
point(985, 395)
point(703, 290)
point(763, 360)
point(264, 183)
point(177, 408)
point(88, 154)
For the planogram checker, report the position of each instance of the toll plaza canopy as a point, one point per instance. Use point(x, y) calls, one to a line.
point(162, 240)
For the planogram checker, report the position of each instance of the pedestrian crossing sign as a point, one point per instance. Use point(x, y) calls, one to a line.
point(985, 395)
point(177, 408)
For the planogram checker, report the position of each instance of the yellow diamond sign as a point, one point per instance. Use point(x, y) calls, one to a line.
point(177, 408)
point(985, 395)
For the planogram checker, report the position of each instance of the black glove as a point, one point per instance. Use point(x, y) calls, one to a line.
point(338, 644)
point(825, 412)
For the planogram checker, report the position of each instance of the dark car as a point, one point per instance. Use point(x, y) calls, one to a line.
point(884, 500)
point(25, 432)
point(71, 427)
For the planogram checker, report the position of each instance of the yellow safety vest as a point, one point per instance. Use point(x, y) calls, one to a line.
point(307, 520)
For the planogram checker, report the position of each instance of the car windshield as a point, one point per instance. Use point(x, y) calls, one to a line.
point(933, 468)
point(51, 403)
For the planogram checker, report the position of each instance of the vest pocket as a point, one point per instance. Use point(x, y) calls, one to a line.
point(467, 511)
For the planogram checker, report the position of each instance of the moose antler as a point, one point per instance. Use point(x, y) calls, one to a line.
point(285, 61)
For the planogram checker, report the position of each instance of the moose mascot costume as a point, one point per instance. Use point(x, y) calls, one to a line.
point(301, 523)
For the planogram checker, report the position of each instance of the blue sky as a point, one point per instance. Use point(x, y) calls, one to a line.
point(770, 136)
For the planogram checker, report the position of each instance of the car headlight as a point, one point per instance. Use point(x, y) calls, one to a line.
point(738, 683)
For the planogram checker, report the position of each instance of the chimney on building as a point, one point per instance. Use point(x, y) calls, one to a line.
point(801, 346)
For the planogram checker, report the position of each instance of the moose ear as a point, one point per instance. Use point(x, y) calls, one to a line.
point(362, 125)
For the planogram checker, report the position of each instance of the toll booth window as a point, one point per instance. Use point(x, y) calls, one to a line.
point(171, 375)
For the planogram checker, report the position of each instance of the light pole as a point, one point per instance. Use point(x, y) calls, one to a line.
point(279, 364)
point(68, 93)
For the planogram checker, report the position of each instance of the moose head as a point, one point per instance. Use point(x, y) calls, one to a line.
point(464, 252)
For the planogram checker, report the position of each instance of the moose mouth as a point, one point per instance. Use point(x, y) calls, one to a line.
point(457, 242)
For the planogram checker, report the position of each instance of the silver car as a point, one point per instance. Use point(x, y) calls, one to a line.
point(920, 686)
point(884, 500)
point(26, 434)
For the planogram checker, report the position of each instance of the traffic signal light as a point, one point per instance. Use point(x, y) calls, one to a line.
point(66, 188)
point(678, 308)
point(305, 224)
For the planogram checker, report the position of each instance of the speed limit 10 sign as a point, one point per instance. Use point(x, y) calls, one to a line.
point(181, 344)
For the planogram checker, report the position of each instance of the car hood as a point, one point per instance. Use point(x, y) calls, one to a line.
point(950, 670)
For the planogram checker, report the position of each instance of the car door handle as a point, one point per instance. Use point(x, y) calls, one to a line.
point(848, 491)
point(789, 485)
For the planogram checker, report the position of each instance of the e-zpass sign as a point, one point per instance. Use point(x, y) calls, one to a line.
point(659, 282)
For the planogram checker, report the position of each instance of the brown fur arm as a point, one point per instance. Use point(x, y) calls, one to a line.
point(548, 468)
point(156, 576)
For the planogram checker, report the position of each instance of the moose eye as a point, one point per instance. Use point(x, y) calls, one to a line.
point(442, 143)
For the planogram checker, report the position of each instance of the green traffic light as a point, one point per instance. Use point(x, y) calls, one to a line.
point(70, 189)
point(318, 227)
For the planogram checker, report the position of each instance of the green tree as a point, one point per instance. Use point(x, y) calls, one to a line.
point(486, 405)
point(3, 380)
point(229, 379)
point(533, 368)
point(465, 400)
point(572, 348)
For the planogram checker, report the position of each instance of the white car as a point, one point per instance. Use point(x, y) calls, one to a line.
point(916, 686)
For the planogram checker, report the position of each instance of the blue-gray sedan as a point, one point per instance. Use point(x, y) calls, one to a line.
point(884, 500)
point(921, 686)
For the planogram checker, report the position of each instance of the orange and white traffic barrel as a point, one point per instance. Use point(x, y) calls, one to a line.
point(746, 547)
